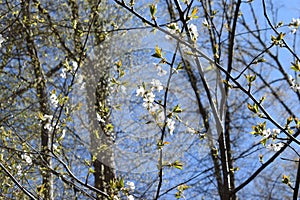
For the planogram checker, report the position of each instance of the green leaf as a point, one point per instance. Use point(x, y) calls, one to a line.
point(250, 78)
point(295, 66)
point(131, 3)
point(260, 60)
point(229, 85)
point(263, 141)
point(180, 66)
point(153, 10)
point(177, 164)
point(41, 116)
point(194, 12)
point(119, 64)
point(91, 170)
point(157, 53)
point(253, 108)
point(177, 109)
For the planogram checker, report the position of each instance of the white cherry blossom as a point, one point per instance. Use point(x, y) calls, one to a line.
point(275, 147)
point(130, 185)
point(171, 125)
point(156, 85)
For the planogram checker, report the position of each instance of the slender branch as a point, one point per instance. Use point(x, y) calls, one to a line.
point(266, 164)
point(17, 183)
point(296, 190)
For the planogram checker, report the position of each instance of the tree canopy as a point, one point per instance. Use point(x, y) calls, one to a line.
point(149, 99)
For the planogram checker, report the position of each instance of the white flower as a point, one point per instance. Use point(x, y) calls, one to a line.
point(293, 30)
point(48, 127)
point(19, 170)
point(130, 197)
point(99, 119)
point(1, 40)
point(266, 133)
point(140, 91)
point(130, 185)
point(295, 86)
point(160, 70)
point(156, 84)
point(75, 65)
point(26, 158)
point(147, 104)
point(275, 147)
point(48, 117)
point(193, 31)
point(116, 198)
point(171, 125)
point(63, 73)
point(149, 97)
point(53, 100)
point(294, 24)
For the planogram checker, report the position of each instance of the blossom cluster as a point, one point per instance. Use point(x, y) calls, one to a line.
point(130, 185)
point(267, 133)
point(27, 159)
point(294, 85)
point(149, 103)
point(53, 99)
point(193, 31)
point(294, 24)
point(48, 125)
point(148, 95)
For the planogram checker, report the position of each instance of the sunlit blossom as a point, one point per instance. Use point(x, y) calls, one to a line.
point(53, 100)
point(48, 125)
point(156, 84)
point(193, 31)
point(130, 185)
point(149, 97)
point(275, 147)
point(19, 170)
point(294, 85)
point(75, 65)
point(27, 158)
point(266, 133)
point(171, 125)
point(63, 73)
point(99, 119)
point(294, 24)
point(140, 91)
